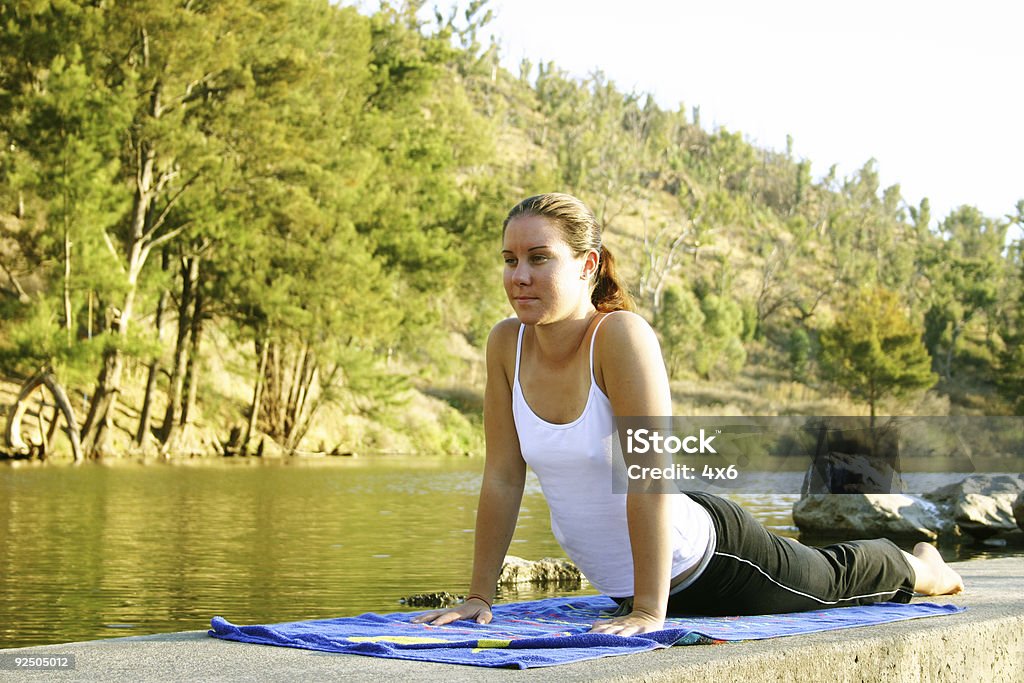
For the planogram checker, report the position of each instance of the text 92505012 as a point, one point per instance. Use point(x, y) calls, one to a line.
point(35, 662)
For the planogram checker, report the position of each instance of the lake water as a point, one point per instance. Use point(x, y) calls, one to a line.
point(127, 549)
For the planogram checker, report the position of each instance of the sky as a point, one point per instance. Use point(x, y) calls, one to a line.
point(934, 91)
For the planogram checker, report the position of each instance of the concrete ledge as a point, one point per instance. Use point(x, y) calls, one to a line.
point(986, 643)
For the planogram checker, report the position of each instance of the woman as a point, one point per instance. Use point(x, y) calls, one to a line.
point(575, 358)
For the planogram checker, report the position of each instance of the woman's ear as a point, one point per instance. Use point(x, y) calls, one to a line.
point(590, 265)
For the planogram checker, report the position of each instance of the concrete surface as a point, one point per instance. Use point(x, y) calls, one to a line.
point(985, 643)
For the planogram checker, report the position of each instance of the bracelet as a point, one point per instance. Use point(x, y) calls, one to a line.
point(478, 597)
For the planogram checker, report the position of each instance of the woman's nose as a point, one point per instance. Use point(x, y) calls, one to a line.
point(521, 275)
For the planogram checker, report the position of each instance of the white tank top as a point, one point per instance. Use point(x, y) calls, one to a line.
point(573, 462)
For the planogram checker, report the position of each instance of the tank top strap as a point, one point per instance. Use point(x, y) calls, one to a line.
point(592, 338)
point(519, 351)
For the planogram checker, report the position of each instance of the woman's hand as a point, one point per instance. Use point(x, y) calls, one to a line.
point(474, 609)
point(633, 623)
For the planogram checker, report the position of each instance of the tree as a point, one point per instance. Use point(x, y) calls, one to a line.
point(965, 270)
point(874, 351)
point(60, 163)
point(701, 334)
point(1011, 378)
point(680, 323)
point(799, 347)
point(1011, 360)
point(173, 65)
point(662, 252)
point(868, 238)
point(721, 347)
point(778, 289)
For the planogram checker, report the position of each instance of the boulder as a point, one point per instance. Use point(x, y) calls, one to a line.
point(853, 456)
point(1018, 511)
point(548, 570)
point(851, 473)
point(870, 515)
point(982, 504)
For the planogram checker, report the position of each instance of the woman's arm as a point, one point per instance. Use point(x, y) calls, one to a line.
point(630, 364)
point(504, 478)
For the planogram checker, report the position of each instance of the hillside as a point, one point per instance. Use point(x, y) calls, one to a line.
point(294, 236)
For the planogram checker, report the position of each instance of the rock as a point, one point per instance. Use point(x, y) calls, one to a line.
point(1018, 510)
point(870, 515)
point(548, 570)
point(514, 571)
point(981, 505)
point(851, 473)
point(851, 456)
point(431, 600)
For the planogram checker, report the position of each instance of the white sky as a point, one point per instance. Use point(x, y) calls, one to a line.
point(933, 90)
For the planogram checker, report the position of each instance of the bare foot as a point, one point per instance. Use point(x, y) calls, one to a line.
point(934, 576)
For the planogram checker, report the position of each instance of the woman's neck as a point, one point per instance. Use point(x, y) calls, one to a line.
point(557, 343)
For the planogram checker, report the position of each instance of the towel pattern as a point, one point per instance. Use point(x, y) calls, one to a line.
point(547, 632)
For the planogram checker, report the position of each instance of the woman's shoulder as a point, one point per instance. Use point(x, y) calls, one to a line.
point(625, 340)
point(503, 337)
point(629, 368)
point(625, 327)
point(501, 350)
point(504, 330)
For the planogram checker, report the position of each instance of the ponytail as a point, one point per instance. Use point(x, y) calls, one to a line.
point(609, 294)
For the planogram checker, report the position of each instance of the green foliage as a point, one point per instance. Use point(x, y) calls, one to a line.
point(721, 349)
point(798, 347)
point(1011, 360)
point(749, 311)
point(874, 351)
point(701, 334)
point(34, 338)
point(968, 277)
point(680, 324)
point(1011, 381)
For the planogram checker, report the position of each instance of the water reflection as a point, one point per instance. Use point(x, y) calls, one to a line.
point(113, 550)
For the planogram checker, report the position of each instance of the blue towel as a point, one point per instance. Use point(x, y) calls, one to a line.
point(547, 632)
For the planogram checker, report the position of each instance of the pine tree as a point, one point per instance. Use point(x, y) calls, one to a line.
point(874, 351)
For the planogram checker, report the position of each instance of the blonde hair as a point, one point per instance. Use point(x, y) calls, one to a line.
point(582, 233)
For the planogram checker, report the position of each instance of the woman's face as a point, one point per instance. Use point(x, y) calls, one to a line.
point(545, 282)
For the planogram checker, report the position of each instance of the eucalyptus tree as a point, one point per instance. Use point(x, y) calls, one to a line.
point(1011, 359)
point(869, 241)
point(964, 270)
point(563, 102)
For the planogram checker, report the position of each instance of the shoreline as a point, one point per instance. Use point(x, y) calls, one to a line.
point(213, 458)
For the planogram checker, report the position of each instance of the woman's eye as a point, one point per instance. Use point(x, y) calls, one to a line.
point(510, 261)
point(538, 258)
